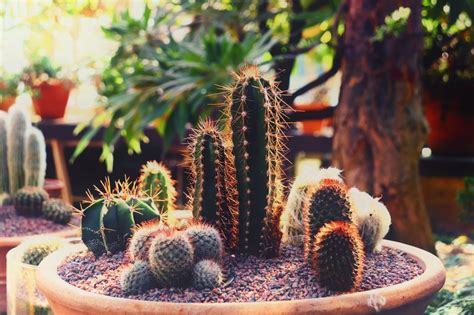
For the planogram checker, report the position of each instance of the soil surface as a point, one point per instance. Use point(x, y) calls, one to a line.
point(250, 279)
point(12, 224)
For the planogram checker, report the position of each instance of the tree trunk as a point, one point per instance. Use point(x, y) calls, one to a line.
point(379, 124)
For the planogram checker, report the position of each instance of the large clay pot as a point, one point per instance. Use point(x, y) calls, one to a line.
point(50, 98)
point(7, 243)
point(410, 297)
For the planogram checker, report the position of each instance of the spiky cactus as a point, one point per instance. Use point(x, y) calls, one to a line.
point(338, 256)
point(325, 203)
point(57, 211)
point(156, 182)
point(108, 222)
point(137, 278)
point(211, 197)
point(35, 158)
point(206, 241)
point(142, 238)
point(171, 259)
point(35, 252)
point(17, 131)
point(207, 274)
point(371, 218)
point(29, 201)
point(4, 181)
point(255, 115)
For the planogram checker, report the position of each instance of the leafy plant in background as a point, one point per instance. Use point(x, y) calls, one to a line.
point(8, 85)
point(447, 302)
point(40, 71)
point(465, 200)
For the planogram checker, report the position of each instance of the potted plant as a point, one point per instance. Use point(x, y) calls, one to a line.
point(50, 94)
point(448, 77)
point(8, 91)
point(137, 263)
point(25, 207)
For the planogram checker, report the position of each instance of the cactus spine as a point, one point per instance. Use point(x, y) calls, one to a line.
point(4, 181)
point(17, 130)
point(211, 198)
point(338, 256)
point(35, 158)
point(156, 182)
point(255, 115)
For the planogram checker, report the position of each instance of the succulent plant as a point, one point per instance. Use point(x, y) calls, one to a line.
point(206, 242)
point(254, 113)
point(35, 252)
point(207, 274)
point(57, 211)
point(142, 238)
point(155, 181)
point(29, 201)
point(6, 199)
point(137, 278)
point(338, 256)
point(171, 259)
point(292, 221)
point(371, 218)
point(35, 158)
point(16, 134)
point(108, 222)
point(212, 195)
point(4, 180)
point(325, 203)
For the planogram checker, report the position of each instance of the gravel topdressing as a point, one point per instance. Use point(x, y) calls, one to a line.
point(284, 278)
point(12, 224)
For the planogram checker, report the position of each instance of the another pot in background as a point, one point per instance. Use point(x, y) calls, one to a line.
point(50, 98)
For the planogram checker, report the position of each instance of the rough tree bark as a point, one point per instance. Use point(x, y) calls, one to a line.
point(379, 123)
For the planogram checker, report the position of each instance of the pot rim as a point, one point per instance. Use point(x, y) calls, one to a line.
point(420, 288)
point(9, 241)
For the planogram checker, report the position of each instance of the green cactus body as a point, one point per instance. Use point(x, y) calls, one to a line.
point(57, 211)
point(338, 256)
point(256, 122)
point(4, 181)
point(325, 203)
point(206, 241)
point(156, 182)
point(29, 201)
point(171, 259)
point(211, 199)
point(17, 129)
point(35, 158)
point(142, 210)
point(207, 274)
point(92, 227)
point(137, 279)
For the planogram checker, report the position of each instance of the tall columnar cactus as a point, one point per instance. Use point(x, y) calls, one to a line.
point(156, 182)
point(35, 158)
point(338, 256)
point(17, 132)
point(255, 115)
point(4, 181)
point(325, 203)
point(108, 222)
point(212, 195)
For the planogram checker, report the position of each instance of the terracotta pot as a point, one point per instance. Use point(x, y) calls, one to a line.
point(53, 187)
point(7, 243)
point(410, 297)
point(51, 99)
point(7, 102)
point(451, 130)
point(316, 126)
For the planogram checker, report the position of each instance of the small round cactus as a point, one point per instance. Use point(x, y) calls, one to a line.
point(36, 252)
point(207, 274)
point(206, 241)
point(171, 259)
point(142, 238)
point(29, 201)
point(137, 279)
point(57, 211)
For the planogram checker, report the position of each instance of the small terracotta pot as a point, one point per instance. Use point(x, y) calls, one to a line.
point(51, 99)
point(410, 297)
point(7, 102)
point(7, 243)
point(53, 187)
point(316, 126)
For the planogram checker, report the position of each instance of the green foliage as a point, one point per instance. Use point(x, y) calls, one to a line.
point(465, 200)
point(29, 201)
point(137, 278)
point(57, 211)
point(8, 85)
point(207, 274)
point(394, 24)
point(39, 71)
point(448, 302)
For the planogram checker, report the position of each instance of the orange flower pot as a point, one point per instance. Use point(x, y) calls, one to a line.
point(316, 126)
point(7, 102)
point(50, 98)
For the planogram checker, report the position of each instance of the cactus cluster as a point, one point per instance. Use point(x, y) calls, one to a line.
point(57, 210)
point(137, 278)
point(23, 152)
point(246, 154)
point(36, 251)
point(108, 222)
point(207, 274)
point(156, 181)
point(29, 201)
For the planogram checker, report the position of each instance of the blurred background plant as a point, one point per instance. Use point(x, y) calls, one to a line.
point(465, 200)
